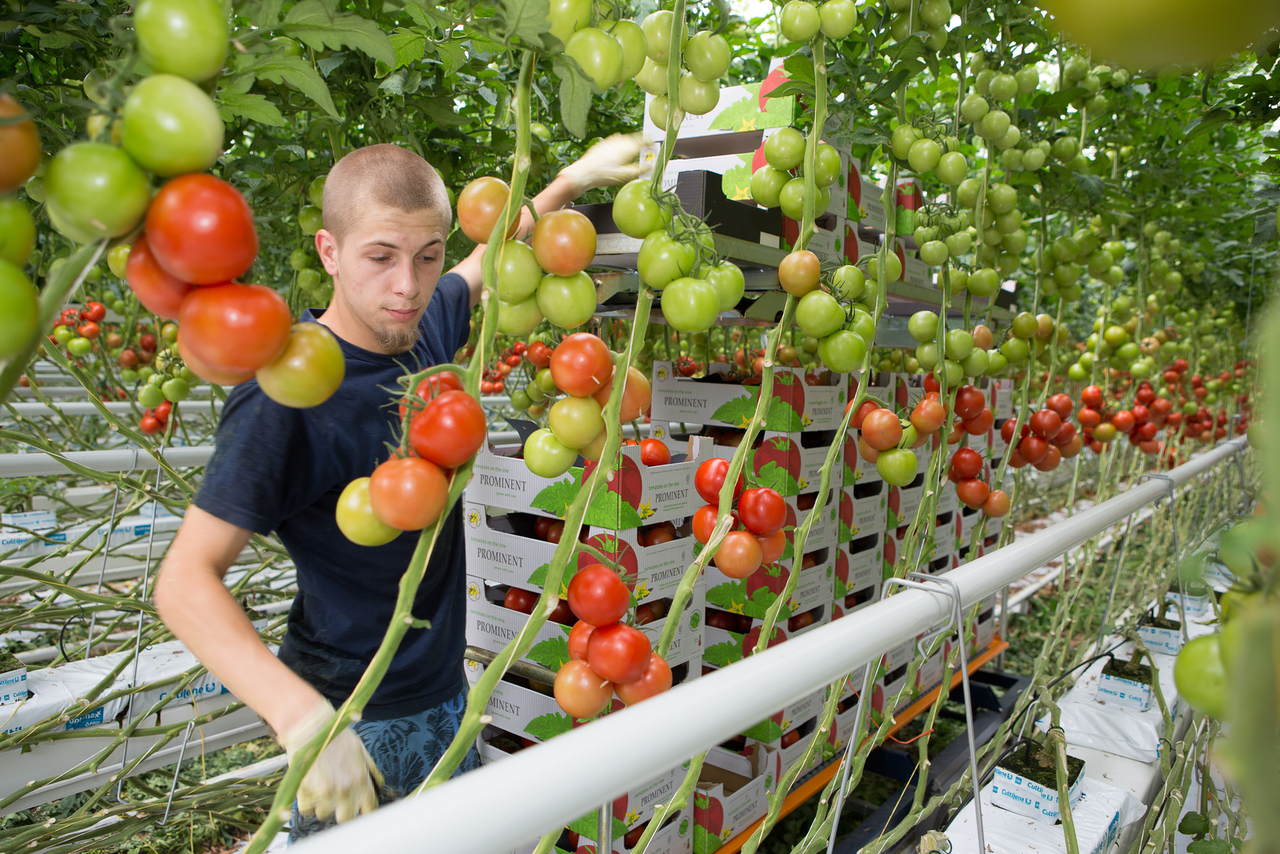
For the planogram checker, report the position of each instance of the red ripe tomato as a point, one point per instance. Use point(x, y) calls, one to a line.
point(1161, 407)
point(598, 596)
point(704, 520)
point(434, 385)
point(772, 547)
point(1092, 397)
point(1016, 460)
point(1006, 430)
point(973, 492)
point(520, 600)
point(94, 311)
point(1090, 417)
point(655, 680)
point(710, 478)
point(1050, 461)
point(1150, 446)
point(201, 229)
point(882, 430)
point(1045, 423)
point(654, 452)
point(969, 402)
point(931, 384)
point(763, 511)
point(160, 293)
point(1065, 435)
point(1140, 413)
point(202, 370)
point(563, 242)
point(739, 555)
point(864, 409)
point(1033, 449)
point(235, 328)
point(164, 410)
point(618, 652)
point(966, 463)
point(581, 364)
point(997, 503)
point(580, 692)
point(1061, 404)
point(538, 354)
point(928, 416)
point(1145, 395)
point(1146, 430)
point(150, 425)
point(147, 341)
point(980, 425)
point(1123, 421)
point(659, 534)
point(408, 492)
point(450, 430)
point(89, 330)
point(578, 637)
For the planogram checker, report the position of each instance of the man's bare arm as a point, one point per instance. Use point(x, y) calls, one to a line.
point(197, 607)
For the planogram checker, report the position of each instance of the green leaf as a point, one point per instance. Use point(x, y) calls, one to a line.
point(294, 71)
point(546, 727)
point(451, 56)
point(575, 97)
point(410, 46)
point(265, 14)
point(721, 654)
point(1091, 185)
point(428, 14)
point(313, 24)
point(1194, 824)
point(556, 498)
point(58, 40)
point(767, 730)
point(1210, 846)
point(552, 653)
point(525, 20)
point(255, 108)
point(738, 411)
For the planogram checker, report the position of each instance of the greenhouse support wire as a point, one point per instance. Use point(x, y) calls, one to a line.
point(552, 784)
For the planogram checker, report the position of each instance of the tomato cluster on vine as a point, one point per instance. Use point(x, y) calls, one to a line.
point(756, 537)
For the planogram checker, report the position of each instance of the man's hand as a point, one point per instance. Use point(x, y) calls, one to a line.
point(611, 161)
point(341, 781)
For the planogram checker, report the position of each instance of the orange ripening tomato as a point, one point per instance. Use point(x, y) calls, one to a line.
point(408, 493)
point(235, 328)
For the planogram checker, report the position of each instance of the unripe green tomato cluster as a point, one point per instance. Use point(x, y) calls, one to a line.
point(706, 59)
point(780, 182)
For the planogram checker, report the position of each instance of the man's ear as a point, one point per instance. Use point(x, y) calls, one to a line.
point(327, 246)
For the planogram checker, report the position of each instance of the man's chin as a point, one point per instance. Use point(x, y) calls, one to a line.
point(399, 337)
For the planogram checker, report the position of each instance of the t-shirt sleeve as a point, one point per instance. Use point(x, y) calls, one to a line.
point(264, 466)
point(450, 309)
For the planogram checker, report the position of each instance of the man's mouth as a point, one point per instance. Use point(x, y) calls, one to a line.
point(402, 314)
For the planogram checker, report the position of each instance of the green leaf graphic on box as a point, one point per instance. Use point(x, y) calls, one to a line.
point(721, 654)
point(552, 653)
point(586, 826)
point(608, 510)
point(738, 411)
point(776, 476)
point(761, 601)
point(556, 497)
point(728, 595)
point(850, 475)
point(781, 417)
point(703, 842)
point(846, 533)
point(546, 727)
point(539, 575)
point(734, 116)
point(842, 589)
point(767, 730)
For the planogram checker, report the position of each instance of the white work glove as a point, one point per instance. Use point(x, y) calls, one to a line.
point(611, 161)
point(341, 781)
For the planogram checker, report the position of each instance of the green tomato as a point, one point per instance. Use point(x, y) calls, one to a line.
point(95, 191)
point(1201, 676)
point(599, 54)
point(848, 282)
point(904, 137)
point(801, 21)
point(308, 280)
point(927, 355)
point(766, 185)
point(520, 400)
point(519, 318)
point(993, 125)
point(315, 191)
point(546, 456)
point(567, 301)
point(707, 56)
point(300, 259)
point(827, 163)
point(310, 219)
point(171, 126)
point(631, 37)
point(863, 324)
point(923, 326)
point(150, 396)
point(1065, 148)
point(934, 253)
point(974, 107)
point(953, 371)
point(1003, 87)
point(784, 149)
point(1015, 350)
point(177, 389)
point(730, 283)
point(575, 421)
point(819, 314)
point(188, 38)
point(17, 231)
point(842, 351)
point(653, 79)
point(897, 466)
point(959, 344)
point(923, 155)
point(518, 272)
point(951, 168)
point(663, 259)
point(657, 32)
point(128, 376)
point(169, 333)
point(958, 244)
point(19, 310)
point(839, 17)
point(791, 200)
point(691, 305)
point(1033, 159)
point(356, 519)
point(1001, 198)
point(145, 373)
point(892, 267)
point(935, 13)
point(118, 262)
point(566, 16)
point(635, 211)
point(967, 192)
point(698, 98)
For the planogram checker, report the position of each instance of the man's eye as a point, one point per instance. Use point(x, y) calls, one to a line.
point(380, 258)
point(428, 259)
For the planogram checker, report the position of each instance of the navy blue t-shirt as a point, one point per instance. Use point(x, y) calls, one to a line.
point(281, 469)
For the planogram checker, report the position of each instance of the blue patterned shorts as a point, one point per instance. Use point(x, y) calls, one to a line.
point(405, 750)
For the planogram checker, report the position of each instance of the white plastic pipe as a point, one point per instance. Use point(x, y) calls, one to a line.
point(554, 783)
point(117, 460)
point(85, 407)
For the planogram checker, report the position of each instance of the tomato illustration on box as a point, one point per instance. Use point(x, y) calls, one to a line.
point(793, 406)
point(732, 794)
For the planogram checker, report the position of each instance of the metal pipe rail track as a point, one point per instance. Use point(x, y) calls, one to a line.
point(551, 784)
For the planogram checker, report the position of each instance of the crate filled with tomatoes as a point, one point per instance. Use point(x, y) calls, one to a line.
point(797, 403)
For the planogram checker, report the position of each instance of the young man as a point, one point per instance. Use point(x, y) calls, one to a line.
point(386, 218)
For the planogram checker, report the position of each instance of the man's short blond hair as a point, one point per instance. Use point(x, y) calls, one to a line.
point(382, 174)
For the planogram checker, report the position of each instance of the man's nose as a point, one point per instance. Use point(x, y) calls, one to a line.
point(405, 283)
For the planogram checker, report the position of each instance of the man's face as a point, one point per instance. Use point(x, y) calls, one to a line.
point(385, 271)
